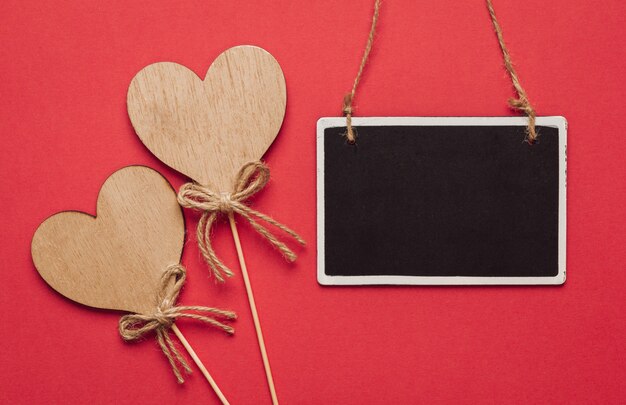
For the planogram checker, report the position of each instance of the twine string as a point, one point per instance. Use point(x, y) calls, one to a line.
point(349, 98)
point(251, 179)
point(521, 103)
point(135, 326)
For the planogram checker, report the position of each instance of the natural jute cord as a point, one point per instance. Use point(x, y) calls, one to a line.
point(521, 103)
point(348, 98)
point(134, 326)
point(251, 179)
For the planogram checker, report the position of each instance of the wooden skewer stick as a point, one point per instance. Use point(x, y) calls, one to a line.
point(255, 315)
point(198, 362)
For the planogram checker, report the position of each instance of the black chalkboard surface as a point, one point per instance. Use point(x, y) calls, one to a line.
point(441, 201)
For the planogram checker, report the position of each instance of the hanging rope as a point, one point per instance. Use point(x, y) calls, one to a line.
point(521, 103)
point(348, 98)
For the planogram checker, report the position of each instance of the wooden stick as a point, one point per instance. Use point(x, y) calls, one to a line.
point(198, 362)
point(255, 315)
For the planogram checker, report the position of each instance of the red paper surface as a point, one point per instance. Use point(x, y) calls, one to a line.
point(64, 70)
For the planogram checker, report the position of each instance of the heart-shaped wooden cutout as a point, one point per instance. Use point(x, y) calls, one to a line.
point(209, 129)
point(115, 260)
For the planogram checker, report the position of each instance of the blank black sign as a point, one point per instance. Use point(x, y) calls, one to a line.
point(440, 201)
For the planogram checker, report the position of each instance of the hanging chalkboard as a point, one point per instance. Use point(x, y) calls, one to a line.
point(441, 201)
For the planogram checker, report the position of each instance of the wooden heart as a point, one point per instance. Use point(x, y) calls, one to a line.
point(114, 260)
point(209, 129)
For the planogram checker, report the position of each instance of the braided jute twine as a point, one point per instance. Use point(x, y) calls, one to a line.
point(135, 326)
point(251, 179)
point(521, 103)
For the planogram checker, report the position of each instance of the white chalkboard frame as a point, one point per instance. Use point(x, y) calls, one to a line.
point(332, 122)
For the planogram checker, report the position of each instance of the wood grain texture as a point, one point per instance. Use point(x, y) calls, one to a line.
point(115, 260)
point(208, 129)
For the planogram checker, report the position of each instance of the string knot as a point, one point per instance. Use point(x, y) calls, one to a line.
point(522, 104)
point(225, 204)
point(250, 179)
point(164, 320)
point(135, 326)
point(347, 104)
point(347, 112)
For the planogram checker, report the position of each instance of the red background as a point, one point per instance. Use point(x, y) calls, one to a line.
point(64, 72)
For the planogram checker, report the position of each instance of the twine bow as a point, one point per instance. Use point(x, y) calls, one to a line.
point(252, 177)
point(135, 326)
